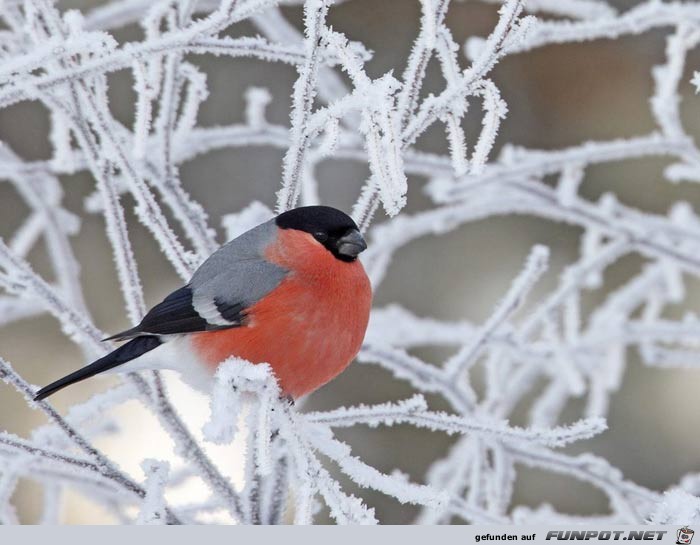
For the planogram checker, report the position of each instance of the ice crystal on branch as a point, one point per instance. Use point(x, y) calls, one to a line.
point(62, 61)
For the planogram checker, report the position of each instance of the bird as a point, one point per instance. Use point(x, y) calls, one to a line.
point(290, 292)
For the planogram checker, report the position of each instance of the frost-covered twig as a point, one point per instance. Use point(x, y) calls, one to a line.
point(104, 466)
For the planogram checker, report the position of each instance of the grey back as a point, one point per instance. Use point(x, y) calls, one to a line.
point(236, 274)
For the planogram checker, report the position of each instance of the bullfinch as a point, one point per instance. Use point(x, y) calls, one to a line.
point(289, 292)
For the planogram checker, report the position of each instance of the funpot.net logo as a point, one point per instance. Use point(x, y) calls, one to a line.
point(612, 535)
point(684, 536)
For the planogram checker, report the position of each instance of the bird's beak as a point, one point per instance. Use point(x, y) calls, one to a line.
point(351, 244)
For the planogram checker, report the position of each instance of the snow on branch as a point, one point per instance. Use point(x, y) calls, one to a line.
point(538, 353)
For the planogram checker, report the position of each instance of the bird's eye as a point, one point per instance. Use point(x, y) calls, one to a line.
point(321, 237)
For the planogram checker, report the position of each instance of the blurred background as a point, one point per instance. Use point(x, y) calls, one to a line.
point(557, 96)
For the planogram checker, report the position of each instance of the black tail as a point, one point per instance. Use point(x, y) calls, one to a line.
point(124, 335)
point(127, 352)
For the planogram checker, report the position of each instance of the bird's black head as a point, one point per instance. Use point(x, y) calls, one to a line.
point(335, 230)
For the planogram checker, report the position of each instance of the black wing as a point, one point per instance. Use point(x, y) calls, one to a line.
point(176, 314)
point(230, 280)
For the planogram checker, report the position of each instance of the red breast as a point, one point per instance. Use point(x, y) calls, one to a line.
point(310, 327)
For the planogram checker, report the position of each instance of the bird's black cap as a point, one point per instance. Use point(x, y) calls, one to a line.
point(334, 229)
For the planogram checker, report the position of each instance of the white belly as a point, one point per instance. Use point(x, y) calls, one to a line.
point(174, 354)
